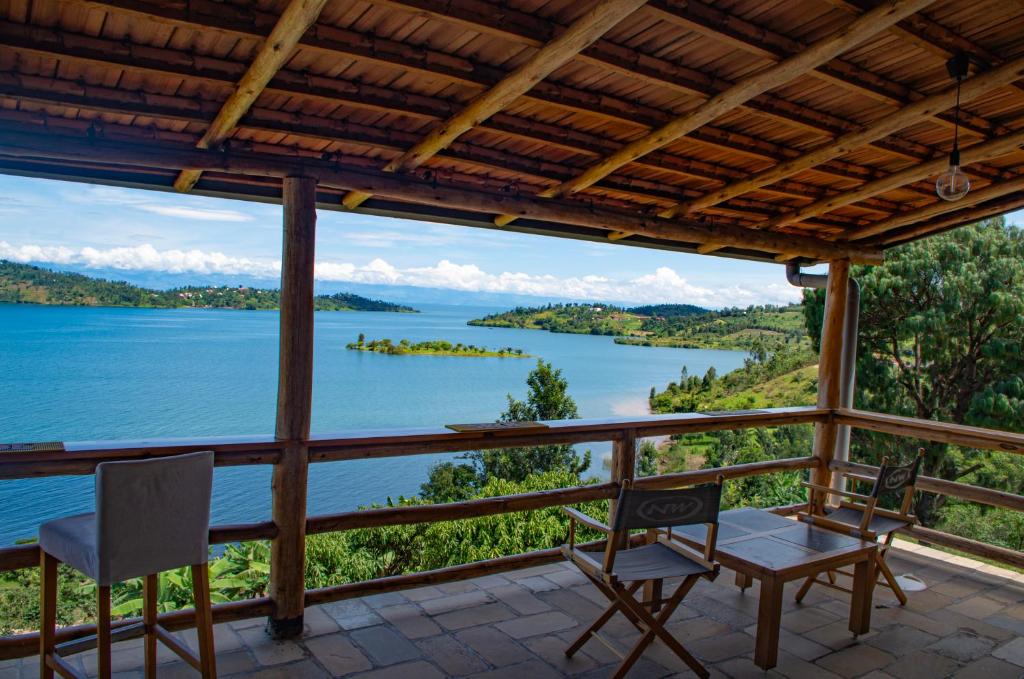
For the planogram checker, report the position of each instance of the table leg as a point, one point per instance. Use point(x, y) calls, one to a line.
point(769, 619)
point(744, 581)
point(863, 594)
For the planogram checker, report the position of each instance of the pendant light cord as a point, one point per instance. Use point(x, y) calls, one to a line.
point(956, 117)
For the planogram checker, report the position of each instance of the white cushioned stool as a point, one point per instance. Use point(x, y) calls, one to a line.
point(151, 516)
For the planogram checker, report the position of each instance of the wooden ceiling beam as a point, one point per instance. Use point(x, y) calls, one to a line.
point(938, 208)
point(661, 73)
point(847, 143)
point(275, 52)
point(594, 23)
point(823, 50)
point(977, 153)
point(718, 24)
point(18, 144)
point(955, 219)
point(108, 53)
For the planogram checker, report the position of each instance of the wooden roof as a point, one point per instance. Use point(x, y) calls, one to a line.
point(770, 129)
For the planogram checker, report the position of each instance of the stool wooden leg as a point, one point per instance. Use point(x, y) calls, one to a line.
point(47, 612)
point(204, 620)
point(103, 631)
point(149, 601)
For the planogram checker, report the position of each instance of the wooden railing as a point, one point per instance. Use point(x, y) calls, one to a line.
point(82, 458)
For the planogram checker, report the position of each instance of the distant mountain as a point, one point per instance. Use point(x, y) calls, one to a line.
point(23, 283)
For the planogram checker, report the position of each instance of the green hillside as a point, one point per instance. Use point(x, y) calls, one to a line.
point(25, 284)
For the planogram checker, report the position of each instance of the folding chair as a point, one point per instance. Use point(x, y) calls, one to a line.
point(623, 571)
point(865, 519)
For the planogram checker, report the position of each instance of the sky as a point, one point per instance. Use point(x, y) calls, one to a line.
point(85, 227)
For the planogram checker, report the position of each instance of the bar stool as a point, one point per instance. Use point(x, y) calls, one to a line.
point(151, 516)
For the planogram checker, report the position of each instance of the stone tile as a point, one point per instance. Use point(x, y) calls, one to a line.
point(412, 670)
point(899, 641)
point(807, 618)
point(269, 651)
point(837, 635)
point(458, 587)
point(477, 615)
point(491, 581)
point(494, 646)
point(927, 601)
point(977, 607)
point(410, 621)
point(317, 622)
point(453, 657)
point(1010, 623)
point(378, 601)
point(352, 614)
point(922, 664)
point(793, 667)
point(519, 599)
point(384, 646)
point(710, 608)
point(964, 646)
point(855, 660)
point(722, 646)
point(551, 649)
point(423, 593)
point(577, 606)
point(534, 669)
point(567, 578)
point(686, 631)
point(532, 625)
point(989, 668)
point(960, 587)
point(336, 653)
point(534, 571)
point(538, 584)
point(306, 669)
point(452, 602)
point(1012, 652)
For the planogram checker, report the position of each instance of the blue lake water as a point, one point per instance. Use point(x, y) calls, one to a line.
point(78, 373)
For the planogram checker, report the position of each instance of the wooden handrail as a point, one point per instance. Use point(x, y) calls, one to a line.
point(929, 430)
point(963, 491)
point(735, 471)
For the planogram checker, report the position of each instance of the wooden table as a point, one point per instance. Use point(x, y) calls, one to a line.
point(775, 550)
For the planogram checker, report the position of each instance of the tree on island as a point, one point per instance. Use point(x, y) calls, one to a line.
point(940, 339)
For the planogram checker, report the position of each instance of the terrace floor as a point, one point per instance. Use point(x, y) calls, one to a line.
point(968, 623)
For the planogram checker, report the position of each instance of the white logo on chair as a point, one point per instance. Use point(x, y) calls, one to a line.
point(896, 478)
point(661, 509)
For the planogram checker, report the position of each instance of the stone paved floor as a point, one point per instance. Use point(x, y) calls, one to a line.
point(968, 623)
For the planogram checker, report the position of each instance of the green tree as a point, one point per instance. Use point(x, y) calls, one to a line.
point(940, 339)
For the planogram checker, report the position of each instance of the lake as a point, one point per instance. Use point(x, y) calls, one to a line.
point(83, 373)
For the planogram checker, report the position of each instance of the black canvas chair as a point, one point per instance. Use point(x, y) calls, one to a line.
point(623, 571)
point(860, 516)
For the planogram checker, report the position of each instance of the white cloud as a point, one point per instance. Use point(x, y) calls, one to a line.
point(112, 195)
point(202, 214)
point(661, 286)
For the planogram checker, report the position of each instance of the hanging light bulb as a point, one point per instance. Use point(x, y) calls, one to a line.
point(953, 184)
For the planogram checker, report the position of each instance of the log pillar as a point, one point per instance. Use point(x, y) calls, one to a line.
point(294, 405)
point(830, 367)
point(623, 465)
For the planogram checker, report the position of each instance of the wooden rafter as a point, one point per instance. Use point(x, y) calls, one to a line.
point(821, 51)
point(938, 208)
point(276, 50)
point(972, 154)
point(954, 219)
point(409, 189)
point(594, 23)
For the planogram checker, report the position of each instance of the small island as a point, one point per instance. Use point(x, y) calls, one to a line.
point(432, 348)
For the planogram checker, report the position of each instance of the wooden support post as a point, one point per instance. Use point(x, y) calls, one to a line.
point(829, 368)
point(623, 465)
point(294, 401)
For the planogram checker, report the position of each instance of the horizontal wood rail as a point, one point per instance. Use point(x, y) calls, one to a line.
point(963, 491)
point(929, 430)
point(930, 536)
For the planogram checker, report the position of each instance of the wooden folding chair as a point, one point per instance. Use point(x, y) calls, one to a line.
point(623, 571)
point(865, 519)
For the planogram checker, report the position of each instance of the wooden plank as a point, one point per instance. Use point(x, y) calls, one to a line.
point(457, 511)
point(819, 52)
point(829, 369)
point(958, 218)
point(275, 52)
point(930, 536)
point(735, 471)
point(963, 491)
point(938, 208)
point(415, 190)
point(623, 466)
point(976, 153)
point(929, 430)
point(294, 408)
point(908, 115)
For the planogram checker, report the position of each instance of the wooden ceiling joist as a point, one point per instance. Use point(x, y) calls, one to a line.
point(847, 143)
point(820, 52)
point(995, 148)
point(277, 49)
point(597, 21)
point(952, 220)
point(19, 144)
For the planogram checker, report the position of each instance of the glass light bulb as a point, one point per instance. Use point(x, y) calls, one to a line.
point(953, 184)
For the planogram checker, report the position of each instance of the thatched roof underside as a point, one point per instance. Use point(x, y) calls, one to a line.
point(767, 129)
